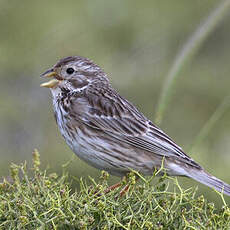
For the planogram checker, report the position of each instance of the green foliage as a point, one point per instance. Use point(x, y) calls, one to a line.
point(46, 201)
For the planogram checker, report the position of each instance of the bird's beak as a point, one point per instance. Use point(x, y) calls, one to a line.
point(52, 83)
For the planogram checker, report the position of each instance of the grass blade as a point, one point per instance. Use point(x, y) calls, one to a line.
point(189, 50)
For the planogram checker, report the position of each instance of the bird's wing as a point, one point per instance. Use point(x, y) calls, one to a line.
point(125, 123)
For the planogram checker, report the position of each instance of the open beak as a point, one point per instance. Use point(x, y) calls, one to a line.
point(52, 83)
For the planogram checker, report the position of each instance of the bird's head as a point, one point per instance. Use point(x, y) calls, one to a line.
point(73, 74)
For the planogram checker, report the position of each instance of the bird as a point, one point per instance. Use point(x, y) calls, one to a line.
point(108, 132)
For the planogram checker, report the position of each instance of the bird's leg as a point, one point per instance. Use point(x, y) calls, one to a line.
point(124, 190)
point(127, 186)
point(112, 187)
point(119, 184)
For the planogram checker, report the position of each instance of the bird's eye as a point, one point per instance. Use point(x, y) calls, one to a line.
point(69, 70)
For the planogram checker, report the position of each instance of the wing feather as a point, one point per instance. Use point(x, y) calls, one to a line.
point(155, 142)
point(119, 119)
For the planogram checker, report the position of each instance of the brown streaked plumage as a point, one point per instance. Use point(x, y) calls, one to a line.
point(108, 132)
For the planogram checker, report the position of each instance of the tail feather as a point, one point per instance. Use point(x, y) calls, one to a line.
point(205, 178)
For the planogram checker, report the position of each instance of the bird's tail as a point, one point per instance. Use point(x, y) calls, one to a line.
point(205, 178)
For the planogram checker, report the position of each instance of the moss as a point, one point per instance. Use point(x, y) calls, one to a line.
point(46, 201)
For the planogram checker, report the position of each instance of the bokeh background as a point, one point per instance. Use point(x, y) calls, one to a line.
point(135, 42)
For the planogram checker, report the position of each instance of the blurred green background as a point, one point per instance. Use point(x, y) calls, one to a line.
point(135, 42)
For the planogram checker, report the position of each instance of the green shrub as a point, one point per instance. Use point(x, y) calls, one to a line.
point(46, 201)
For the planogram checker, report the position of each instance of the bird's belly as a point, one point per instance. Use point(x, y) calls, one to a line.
point(82, 146)
point(111, 157)
point(100, 152)
point(96, 156)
